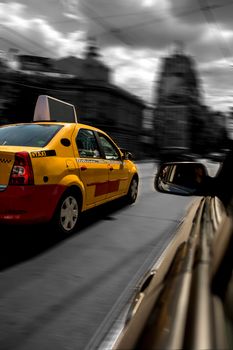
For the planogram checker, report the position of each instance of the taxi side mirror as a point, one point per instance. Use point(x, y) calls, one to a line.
point(126, 154)
point(182, 178)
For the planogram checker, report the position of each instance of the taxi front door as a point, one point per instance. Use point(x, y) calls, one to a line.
point(118, 178)
point(93, 169)
point(118, 173)
point(94, 175)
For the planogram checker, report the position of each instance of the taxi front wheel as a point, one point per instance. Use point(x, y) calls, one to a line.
point(133, 191)
point(68, 212)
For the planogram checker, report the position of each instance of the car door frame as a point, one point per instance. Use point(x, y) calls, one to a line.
point(96, 172)
point(118, 179)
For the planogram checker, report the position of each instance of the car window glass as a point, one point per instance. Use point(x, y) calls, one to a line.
point(33, 135)
point(87, 144)
point(110, 150)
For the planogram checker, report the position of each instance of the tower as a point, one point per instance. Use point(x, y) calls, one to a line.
point(178, 103)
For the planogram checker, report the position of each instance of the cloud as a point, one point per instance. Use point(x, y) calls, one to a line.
point(11, 14)
point(133, 36)
point(35, 35)
point(218, 90)
point(134, 70)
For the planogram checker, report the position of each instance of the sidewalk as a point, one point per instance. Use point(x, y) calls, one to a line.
point(146, 168)
point(147, 160)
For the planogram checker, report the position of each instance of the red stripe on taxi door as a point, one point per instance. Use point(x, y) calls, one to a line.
point(113, 186)
point(105, 187)
point(101, 189)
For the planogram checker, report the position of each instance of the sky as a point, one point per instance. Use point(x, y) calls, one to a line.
point(133, 36)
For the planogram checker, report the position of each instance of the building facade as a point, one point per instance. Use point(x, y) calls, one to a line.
point(86, 83)
point(178, 100)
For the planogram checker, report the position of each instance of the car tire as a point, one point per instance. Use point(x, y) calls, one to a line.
point(68, 211)
point(133, 191)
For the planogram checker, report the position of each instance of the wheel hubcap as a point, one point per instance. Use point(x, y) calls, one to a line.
point(69, 213)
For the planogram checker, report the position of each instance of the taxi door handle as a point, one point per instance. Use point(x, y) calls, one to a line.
point(111, 168)
point(83, 167)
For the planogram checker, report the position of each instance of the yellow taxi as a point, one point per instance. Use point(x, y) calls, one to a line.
point(54, 170)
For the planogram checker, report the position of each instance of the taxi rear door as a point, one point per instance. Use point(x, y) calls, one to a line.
point(93, 168)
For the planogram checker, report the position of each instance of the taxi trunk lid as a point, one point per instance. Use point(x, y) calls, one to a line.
point(6, 163)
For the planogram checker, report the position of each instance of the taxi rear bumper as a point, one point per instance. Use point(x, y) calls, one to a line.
point(29, 204)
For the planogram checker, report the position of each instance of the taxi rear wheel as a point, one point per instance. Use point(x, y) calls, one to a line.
point(68, 213)
point(133, 191)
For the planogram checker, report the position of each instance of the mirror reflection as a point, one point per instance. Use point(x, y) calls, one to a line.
point(181, 178)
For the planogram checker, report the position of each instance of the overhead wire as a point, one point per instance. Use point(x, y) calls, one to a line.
point(35, 43)
point(9, 42)
point(145, 12)
point(177, 14)
point(118, 32)
point(210, 19)
point(105, 25)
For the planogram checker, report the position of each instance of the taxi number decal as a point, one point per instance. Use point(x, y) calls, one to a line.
point(40, 154)
point(90, 160)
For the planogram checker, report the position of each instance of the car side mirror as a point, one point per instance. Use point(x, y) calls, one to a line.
point(126, 154)
point(182, 178)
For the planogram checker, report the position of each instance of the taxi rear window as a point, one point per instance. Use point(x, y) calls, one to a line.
point(32, 135)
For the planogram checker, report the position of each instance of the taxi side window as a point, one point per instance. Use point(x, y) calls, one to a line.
point(87, 144)
point(110, 150)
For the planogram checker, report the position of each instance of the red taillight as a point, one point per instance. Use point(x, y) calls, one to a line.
point(22, 173)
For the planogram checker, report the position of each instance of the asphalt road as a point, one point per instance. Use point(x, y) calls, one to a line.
point(60, 293)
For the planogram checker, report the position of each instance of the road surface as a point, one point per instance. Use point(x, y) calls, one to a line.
point(60, 294)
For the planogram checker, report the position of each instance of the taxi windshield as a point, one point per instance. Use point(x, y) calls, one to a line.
point(32, 135)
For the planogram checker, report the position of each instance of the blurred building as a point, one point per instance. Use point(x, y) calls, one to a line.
point(86, 83)
point(147, 134)
point(229, 123)
point(216, 131)
point(178, 114)
point(29, 64)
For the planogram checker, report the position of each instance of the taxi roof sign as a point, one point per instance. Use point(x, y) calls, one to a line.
point(50, 108)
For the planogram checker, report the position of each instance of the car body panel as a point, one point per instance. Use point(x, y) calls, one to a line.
point(118, 177)
point(174, 306)
point(94, 175)
point(6, 163)
point(29, 204)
